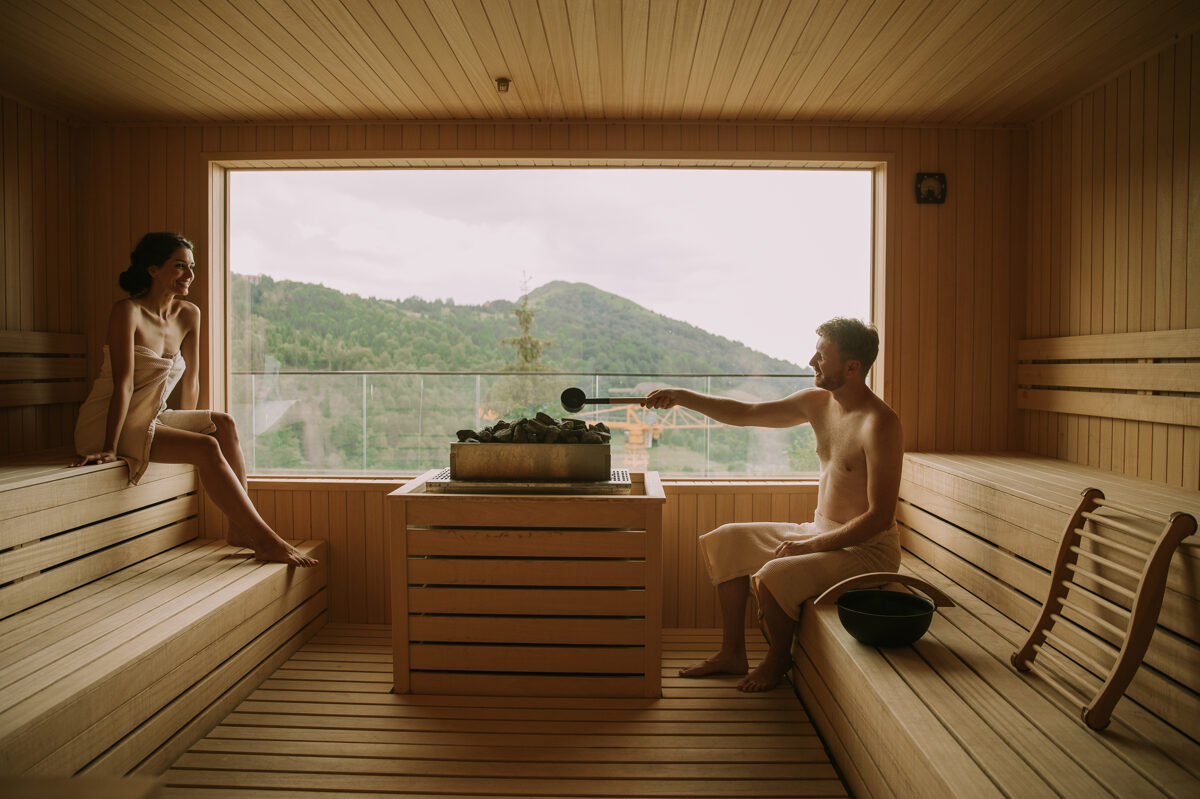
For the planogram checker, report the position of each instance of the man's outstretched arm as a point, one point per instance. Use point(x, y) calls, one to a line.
point(787, 412)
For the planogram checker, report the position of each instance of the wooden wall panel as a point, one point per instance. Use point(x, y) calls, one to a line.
point(947, 298)
point(39, 270)
point(1115, 247)
point(352, 516)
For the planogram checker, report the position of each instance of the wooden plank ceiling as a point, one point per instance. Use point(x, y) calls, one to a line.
point(861, 61)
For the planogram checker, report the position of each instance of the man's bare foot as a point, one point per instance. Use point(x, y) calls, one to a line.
point(766, 675)
point(719, 663)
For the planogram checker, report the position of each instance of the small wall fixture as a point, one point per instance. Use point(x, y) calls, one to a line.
point(931, 187)
point(502, 85)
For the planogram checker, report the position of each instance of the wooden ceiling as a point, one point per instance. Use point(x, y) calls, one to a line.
point(862, 61)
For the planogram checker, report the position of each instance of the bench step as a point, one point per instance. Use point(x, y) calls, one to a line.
point(949, 716)
point(135, 650)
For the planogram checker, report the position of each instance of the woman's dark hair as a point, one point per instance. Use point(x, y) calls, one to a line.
point(153, 250)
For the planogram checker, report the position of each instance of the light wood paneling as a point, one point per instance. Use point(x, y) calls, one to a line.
point(912, 61)
point(948, 293)
point(358, 588)
point(39, 270)
point(1115, 249)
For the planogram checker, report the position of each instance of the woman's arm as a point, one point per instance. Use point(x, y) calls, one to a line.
point(122, 321)
point(190, 383)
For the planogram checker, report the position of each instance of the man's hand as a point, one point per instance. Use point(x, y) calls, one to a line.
point(790, 548)
point(664, 398)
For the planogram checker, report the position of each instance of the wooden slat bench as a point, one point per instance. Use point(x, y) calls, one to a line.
point(124, 637)
point(950, 716)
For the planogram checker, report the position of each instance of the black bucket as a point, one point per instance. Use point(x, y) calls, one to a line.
point(884, 618)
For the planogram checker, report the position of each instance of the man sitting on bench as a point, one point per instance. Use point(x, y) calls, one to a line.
point(861, 451)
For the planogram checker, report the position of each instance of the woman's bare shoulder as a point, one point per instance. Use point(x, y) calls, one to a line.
point(187, 310)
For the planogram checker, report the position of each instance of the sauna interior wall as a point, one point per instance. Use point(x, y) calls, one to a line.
point(949, 304)
point(1115, 246)
point(952, 297)
point(39, 267)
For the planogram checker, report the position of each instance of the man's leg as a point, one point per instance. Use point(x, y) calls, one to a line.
point(731, 658)
point(781, 628)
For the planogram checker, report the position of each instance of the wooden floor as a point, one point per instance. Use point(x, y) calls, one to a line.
point(327, 722)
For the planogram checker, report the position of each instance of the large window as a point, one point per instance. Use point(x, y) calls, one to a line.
point(376, 312)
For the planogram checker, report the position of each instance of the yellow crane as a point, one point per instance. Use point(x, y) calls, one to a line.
point(645, 425)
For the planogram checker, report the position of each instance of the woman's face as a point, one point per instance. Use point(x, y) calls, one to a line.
point(176, 273)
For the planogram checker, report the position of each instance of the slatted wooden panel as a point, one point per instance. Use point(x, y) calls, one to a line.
point(888, 60)
point(39, 270)
point(1114, 250)
point(993, 522)
point(947, 301)
point(326, 721)
point(951, 717)
point(351, 516)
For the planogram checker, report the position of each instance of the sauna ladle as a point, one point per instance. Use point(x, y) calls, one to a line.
point(573, 400)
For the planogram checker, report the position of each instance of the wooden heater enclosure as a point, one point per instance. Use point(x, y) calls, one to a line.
point(527, 595)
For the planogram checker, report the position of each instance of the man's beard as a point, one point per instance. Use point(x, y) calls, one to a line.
point(828, 382)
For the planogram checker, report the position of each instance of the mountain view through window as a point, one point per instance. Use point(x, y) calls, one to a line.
point(374, 313)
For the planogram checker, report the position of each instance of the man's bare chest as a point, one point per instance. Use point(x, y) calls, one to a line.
point(840, 447)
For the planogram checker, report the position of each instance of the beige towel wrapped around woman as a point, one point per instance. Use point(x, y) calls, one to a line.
point(154, 378)
point(739, 549)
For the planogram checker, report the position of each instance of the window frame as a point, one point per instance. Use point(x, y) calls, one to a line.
point(215, 346)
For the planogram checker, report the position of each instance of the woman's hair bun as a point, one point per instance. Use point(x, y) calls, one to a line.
point(153, 250)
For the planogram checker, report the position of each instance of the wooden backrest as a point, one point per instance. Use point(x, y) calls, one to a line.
point(1105, 593)
point(42, 368)
point(993, 522)
point(62, 527)
point(1148, 377)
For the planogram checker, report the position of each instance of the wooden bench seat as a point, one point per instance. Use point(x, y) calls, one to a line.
point(950, 716)
point(124, 637)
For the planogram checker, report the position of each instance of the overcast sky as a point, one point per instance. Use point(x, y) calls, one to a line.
point(758, 256)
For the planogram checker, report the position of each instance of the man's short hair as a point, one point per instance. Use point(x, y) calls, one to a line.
point(854, 339)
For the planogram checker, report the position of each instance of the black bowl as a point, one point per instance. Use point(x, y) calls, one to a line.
point(885, 618)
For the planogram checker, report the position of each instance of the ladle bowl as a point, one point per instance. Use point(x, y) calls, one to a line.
point(573, 399)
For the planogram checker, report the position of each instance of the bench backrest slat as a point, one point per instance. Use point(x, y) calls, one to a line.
point(1146, 377)
point(38, 368)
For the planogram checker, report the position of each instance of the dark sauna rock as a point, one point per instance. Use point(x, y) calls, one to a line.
point(542, 429)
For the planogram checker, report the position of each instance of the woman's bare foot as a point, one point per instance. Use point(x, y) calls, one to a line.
point(719, 663)
point(766, 675)
point(237, 538)
point(271, 550)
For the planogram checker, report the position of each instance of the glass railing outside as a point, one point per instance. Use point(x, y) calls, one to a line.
point(388, 423)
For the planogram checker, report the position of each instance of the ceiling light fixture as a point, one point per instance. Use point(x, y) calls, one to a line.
point(502, 85)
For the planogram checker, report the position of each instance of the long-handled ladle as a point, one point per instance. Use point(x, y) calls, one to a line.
point(573, 400)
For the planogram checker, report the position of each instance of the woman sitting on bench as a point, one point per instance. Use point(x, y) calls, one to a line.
point(153, 342)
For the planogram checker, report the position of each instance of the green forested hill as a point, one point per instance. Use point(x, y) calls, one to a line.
point(310, 327)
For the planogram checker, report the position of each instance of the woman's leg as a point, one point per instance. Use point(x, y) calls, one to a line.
point(204, 452)
point(231, 448)
point(226, 435)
